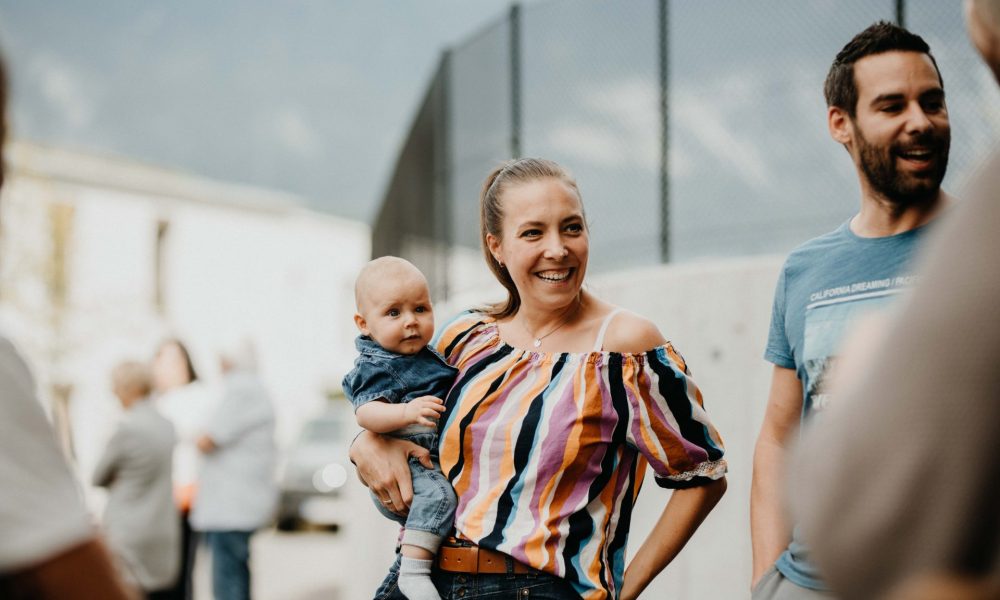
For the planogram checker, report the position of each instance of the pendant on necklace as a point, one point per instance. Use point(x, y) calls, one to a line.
point(537, 342)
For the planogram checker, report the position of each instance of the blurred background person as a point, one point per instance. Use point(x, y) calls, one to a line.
point(182, 399)
point(140, 519)
point(237, 492)
point(48, 548)
point(903, 503)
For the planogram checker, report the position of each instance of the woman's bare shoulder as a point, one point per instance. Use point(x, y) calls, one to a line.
point(629, 332)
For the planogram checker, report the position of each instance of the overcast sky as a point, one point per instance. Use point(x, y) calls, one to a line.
point(309, 96)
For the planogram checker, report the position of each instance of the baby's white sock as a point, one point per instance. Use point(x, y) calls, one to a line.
point(415, 579)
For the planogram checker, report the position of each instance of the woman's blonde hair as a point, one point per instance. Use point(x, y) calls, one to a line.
point(511, 173)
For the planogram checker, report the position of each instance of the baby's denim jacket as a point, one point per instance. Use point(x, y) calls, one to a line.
point(396, 378)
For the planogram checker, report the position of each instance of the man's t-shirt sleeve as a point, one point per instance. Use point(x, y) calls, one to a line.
point(778, 350)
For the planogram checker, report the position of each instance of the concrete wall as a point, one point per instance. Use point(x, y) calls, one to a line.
point(717, 314)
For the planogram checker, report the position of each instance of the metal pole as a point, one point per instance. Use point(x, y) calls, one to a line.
point(443, 161)
point(515, 80)
point(901, 13)
point(664, 62)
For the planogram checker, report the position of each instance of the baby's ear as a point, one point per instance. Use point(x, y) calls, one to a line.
point(361, 323)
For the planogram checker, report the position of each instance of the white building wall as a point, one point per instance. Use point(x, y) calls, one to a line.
point(238, 262)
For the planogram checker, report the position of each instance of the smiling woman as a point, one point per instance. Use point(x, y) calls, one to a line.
point(546, 447)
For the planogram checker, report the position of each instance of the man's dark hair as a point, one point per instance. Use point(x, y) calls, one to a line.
point(840, 88)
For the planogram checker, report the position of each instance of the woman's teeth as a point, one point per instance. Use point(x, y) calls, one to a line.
point(554, 276)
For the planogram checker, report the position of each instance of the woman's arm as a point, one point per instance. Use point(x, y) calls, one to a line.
point(107, 466)
point(383, 466)
point(683, 514)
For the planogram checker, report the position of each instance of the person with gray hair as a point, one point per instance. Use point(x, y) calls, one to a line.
point(905, 502)
point(140, 519)
point(237, 493)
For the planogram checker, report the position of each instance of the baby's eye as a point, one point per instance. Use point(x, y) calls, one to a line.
point(421, 309)
point(393, 312)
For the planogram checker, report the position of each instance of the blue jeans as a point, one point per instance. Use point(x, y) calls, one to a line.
point(464, 586)
point(432, 511)
point(230, 564)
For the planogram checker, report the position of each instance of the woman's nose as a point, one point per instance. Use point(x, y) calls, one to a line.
point(555, 249)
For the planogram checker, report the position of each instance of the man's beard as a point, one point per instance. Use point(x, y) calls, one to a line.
point(904, 189)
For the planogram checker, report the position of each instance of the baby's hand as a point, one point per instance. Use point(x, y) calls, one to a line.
point(425, 410)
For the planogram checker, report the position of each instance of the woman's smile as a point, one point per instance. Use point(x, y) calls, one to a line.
point(555, 275)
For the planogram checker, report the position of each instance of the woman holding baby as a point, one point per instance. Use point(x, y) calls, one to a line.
point(561, 401)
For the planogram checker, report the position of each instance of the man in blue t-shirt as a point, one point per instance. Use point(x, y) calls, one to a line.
point(886, 105)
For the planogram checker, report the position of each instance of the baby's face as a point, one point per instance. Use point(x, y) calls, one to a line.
point(396, 312)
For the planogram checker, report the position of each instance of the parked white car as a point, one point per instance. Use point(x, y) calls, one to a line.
point(314, 473)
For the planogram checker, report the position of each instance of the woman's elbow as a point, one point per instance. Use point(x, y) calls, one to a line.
point(716, 490)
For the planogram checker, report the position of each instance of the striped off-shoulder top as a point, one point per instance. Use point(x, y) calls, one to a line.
point(547, 451)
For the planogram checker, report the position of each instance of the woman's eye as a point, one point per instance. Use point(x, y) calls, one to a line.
point(574, 228)
point(531, 233)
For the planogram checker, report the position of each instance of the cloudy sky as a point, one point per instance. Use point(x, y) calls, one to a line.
point(309, 96)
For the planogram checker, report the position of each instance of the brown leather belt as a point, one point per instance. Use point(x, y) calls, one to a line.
point(475, 560)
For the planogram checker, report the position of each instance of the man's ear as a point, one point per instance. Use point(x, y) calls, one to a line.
point(840, 125)
point(362, 324)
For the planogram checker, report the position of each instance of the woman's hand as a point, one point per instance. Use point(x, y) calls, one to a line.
point(383, 466)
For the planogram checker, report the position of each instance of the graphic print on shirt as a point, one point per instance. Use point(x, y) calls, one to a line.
point(828, 317)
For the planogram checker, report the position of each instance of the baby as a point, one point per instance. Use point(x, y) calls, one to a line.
point(397, 386)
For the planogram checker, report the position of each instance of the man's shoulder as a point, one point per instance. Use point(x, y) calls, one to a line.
point(816, 253)
point(818, 245)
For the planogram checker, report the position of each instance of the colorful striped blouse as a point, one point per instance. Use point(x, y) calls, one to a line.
point(547, 451)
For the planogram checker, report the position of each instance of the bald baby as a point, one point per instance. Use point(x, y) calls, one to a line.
point(394, 305)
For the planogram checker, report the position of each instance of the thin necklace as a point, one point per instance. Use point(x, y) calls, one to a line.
point(537, 341)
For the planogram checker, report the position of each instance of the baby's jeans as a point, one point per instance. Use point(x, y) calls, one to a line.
point(432, 511)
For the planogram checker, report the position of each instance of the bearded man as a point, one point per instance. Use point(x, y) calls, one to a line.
point(886, 106)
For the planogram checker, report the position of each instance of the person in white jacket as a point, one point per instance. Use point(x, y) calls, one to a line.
point(237, 493)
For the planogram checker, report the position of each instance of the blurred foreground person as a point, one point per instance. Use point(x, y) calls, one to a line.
point(904, 502)
point(237, 492)
point(140, 519)
point(48, 549)
point(181, 398)
point(886, 106)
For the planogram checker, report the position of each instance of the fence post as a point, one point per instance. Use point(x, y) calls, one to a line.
point(664, 63)
point(515, 80)
point(442, 178)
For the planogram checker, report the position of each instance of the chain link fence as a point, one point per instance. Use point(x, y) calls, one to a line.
point(695, 129)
